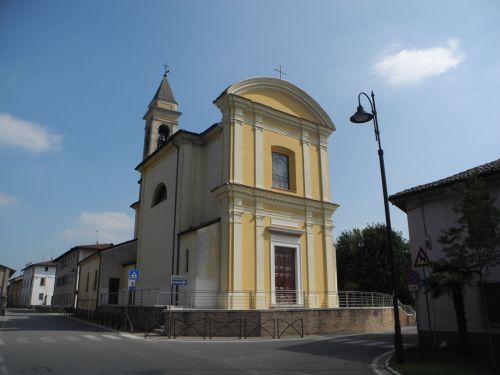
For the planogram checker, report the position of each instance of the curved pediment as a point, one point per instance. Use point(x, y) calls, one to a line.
point(283, 96)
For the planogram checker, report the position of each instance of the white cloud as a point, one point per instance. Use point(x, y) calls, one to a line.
point(6, 199)
point(28, 135)
point(113, 227)
point(409, 66)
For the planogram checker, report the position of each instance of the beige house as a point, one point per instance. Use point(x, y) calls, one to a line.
point(67, 271)
point(429, 211)
point(14, 291)
point(243, 210)
point(103, 276)
point(5, 274)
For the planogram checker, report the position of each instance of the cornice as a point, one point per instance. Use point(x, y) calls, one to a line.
point(271, 197)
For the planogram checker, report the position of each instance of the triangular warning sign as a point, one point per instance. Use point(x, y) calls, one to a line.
point(421, 260)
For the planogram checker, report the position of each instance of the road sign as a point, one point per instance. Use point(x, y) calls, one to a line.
point(131, 285)
point(412, 287)
point(412, 277)
point(421, 260)
point(178, 280)
point(133, 274)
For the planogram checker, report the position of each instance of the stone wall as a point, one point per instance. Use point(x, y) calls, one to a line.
point(248, 323)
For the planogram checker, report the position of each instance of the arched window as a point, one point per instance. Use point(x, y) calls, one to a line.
point(163, 135)
point(160, 194)
point(283, 168)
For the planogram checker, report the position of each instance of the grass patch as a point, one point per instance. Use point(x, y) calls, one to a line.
point(444, 361)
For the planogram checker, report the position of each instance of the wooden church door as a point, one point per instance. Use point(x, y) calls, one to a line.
point(284, 274)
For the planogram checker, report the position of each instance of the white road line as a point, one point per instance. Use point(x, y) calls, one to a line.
point(130, 336)
point(92, 337)
point(71, 338)
point(2, 342)
point(355, 342)
point(377, 343)
point(112, 337)
point(47, 339)
point(23, 340)
point(341, 340)
point(376, 365)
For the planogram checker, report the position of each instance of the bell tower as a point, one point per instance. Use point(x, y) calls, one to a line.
point(162, 117)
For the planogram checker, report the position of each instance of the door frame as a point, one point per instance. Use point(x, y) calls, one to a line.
point(292, 242)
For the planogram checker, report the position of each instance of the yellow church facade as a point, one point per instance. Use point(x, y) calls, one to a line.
point(243, 211)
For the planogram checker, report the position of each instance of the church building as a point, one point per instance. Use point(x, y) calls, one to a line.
point(243, 210)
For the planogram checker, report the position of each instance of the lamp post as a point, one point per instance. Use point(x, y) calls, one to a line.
point(361, 117)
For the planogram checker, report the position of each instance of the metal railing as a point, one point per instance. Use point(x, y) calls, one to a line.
point(249, 299)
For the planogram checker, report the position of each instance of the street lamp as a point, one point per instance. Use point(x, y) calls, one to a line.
point(361, 117)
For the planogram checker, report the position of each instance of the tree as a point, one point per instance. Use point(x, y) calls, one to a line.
point(451, 277)
point(471, 248)
point(363, 261)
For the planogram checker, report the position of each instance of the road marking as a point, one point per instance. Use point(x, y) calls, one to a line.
point(2, 342)
point(112, 337)
point(47, 339)
point(355, 342)
point(70, 338)
point(342, 340)
point(130, 336)
point(376, 343)
point(375, 363)
point(92, 337)
point(23, 340)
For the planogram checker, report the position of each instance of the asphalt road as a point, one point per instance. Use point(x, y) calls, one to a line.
point(37, 343)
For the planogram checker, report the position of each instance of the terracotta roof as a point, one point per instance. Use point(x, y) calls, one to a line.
point(97, 247)
point(2, 266)
point(482, 170)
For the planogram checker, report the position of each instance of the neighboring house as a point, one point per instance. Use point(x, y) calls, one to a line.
point(5, 274)
point(242, 210)
point(429, 211)
point(38, 284)
point(66, 286)
point(103, 276)
point(14, 294)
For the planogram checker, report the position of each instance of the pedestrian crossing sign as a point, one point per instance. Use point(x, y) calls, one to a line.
point(133, 274)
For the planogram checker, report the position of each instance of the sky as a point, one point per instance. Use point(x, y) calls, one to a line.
point(76, 78)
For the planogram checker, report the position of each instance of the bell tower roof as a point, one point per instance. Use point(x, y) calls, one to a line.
point(164, 92)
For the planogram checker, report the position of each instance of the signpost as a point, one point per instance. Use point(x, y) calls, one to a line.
point(178, 280)
point(133, 276)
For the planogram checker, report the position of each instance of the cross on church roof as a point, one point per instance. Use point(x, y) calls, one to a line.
point(281, 72)
point(166, 69)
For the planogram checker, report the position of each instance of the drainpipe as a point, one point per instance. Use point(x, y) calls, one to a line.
point(175, 221)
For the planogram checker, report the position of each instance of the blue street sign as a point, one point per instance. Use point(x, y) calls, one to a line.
point(178, 280)
point(412, 277)
point(133, 274)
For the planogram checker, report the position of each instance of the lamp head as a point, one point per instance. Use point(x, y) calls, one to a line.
point(361, 116)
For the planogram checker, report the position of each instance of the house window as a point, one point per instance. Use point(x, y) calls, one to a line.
point(160, 194)
point(163, 135)
point(280, 171)
point(87, 287)
point(186, 268)
point(492, 291)
point(42, 281)
point(40, 296)
point(95, 280)
point(46, 269)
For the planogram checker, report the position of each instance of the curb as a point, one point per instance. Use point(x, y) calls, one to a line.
point(389, 368)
